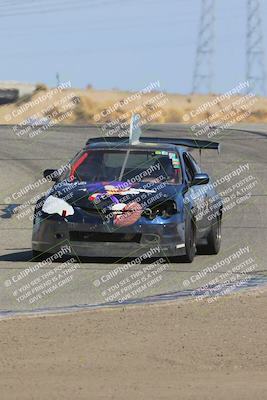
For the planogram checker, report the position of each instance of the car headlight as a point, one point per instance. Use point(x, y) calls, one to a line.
point(54, 205)
point(164, 210)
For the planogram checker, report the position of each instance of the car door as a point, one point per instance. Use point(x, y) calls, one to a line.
point(197, 195)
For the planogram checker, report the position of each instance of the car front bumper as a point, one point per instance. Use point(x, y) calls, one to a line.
point(95, 239)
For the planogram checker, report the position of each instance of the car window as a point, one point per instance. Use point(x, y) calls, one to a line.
point(189, 168)
point(195, 165)
point(114, 159)
point(140, 166)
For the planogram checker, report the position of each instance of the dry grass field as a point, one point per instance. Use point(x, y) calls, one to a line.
point(76, 106)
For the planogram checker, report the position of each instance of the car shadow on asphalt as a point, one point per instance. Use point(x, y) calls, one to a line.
point(17, 256)
point(26, 256)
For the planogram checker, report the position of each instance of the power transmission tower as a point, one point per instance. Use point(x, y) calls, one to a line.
point(256, 73)
point(58, 79)
point(203, 71)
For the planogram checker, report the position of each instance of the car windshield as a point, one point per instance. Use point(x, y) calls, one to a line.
point(124, 165)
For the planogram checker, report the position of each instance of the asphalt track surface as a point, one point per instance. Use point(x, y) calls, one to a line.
point(22, 160)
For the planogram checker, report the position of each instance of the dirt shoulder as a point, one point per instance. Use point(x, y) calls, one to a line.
point(179, 350)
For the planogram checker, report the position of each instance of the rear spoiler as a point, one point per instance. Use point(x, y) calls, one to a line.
point(191, 143)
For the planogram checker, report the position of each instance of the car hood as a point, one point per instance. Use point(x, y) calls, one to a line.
point(102, 194)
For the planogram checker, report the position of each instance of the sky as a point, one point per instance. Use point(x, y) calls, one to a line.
point(120, 44)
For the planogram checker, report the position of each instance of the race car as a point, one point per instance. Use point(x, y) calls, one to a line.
point(120, 196)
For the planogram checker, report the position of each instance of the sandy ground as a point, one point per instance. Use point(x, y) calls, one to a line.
point(82, 106)
point(180, 350)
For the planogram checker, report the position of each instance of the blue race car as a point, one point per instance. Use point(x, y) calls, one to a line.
point(119, 197)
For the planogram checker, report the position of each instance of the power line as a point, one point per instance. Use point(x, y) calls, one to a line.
point(255, 70)
point(61, 7)
point(10, 7)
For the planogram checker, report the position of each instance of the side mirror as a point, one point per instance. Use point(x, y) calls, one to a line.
point(200, 179)
point(51, 174)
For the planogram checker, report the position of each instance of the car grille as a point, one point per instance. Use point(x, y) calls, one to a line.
point(80, 236)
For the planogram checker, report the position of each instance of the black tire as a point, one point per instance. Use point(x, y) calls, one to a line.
point(190, 240)
point(214, 237)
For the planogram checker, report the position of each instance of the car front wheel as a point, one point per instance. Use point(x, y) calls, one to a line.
point(214, 237)
point(190, 240)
